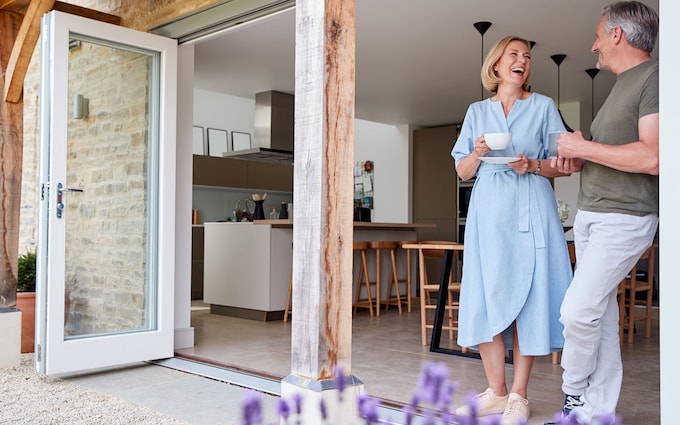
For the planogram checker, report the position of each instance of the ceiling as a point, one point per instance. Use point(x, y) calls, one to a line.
point(419, 65)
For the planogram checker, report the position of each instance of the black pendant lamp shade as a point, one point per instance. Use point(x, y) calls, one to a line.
point(592, 72)
point(558, 59)
point(482, 27)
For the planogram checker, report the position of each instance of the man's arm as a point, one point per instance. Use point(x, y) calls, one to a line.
point(641, 156)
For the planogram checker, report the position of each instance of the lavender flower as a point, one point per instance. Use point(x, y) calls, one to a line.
point(368, 408)
point(434, 389)
point(340, 380)
point(283, 409)
point(297, 398)
point(322, 408)
point(433, 385)
point(252, 408)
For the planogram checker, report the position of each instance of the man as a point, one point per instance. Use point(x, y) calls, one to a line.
point(617, 207)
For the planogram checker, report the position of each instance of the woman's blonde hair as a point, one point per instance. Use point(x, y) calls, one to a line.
point(490, 80)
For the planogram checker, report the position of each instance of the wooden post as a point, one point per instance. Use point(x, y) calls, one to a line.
point(11, 148)
point(323, 187)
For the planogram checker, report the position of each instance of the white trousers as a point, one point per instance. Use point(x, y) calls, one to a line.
point(607, 245)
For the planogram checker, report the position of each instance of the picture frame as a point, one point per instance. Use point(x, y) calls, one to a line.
point(240, 141)
point(199, 145)
point(217, 141)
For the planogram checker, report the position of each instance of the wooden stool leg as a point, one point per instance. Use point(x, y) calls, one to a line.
point(289, 299)
point(377, 281)
point(395, 278)
point(408, 280)
point(363, 273)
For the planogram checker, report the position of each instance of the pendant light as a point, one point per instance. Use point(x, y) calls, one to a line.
point(558, 59)
point(482, 27)
point(592, 72)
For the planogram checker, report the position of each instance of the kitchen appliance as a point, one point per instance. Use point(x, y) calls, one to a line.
point(362, 214)
point(274, 129)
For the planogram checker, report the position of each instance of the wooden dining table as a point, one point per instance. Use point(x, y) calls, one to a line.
point(449, 248)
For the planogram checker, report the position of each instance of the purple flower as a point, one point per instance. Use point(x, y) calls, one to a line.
point(252, 408)
point(368, 408)
point(322, 408)
point(409, 415)
point(297, 398)
point(283, 409)
point(433, 384)
point(340, 380)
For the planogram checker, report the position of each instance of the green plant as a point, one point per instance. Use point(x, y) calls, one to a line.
point(26, 273)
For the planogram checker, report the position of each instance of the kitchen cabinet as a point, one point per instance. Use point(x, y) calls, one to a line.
point(247, 269)
point(435, 189)
point(270, 176)
point(239, 173)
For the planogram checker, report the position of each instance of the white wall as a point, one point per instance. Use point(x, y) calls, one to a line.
point(388, 147)
point(223, 112)
point(669, 299)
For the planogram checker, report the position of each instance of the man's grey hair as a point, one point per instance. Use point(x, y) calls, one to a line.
point(639, 22)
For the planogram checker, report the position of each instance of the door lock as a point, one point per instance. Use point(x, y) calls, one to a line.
point(60, 191)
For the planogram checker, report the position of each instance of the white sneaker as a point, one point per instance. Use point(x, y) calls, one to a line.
point(516, 411)
point(488, 403)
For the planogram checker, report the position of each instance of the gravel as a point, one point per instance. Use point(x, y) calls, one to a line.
point(27, 397)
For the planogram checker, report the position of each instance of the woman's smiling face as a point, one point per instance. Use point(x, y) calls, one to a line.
point(515, 64)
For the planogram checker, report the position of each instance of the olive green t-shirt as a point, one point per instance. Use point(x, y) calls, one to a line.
point(603, 189)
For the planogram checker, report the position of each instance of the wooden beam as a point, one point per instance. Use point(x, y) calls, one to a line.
point(323, 187)
point(23, 48)
point(18, 6)
point(11, 151)
point(28, 36)
point(321, 336)
point(86, 13)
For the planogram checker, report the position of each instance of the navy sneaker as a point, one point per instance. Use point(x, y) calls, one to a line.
point(570, 403)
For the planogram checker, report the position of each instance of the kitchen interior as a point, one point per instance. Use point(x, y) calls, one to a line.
point(243, 149)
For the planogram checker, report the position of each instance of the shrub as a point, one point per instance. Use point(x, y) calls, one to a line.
point(26, 273)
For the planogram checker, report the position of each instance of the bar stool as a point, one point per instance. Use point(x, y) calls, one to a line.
point(394, 280)
point(362, 248)
point(637, 281)
point(429, 292)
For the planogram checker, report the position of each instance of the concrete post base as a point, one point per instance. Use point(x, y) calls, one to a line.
point(341, 408)
point(10, 337)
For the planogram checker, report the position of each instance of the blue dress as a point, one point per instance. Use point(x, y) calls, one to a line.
point(516, 265)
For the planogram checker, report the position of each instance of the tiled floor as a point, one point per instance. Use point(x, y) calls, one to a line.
point(387, 356)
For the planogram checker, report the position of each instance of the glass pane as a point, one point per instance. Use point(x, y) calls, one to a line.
point(109, 258)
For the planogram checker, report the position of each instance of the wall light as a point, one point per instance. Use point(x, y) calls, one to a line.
point(80, 107)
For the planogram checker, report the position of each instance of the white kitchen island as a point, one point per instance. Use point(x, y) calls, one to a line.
point(247, 266)
point(247, 269)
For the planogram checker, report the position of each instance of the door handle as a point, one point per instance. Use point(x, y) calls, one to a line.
point(60, 192)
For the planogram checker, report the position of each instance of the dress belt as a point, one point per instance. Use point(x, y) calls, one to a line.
point(524, 215)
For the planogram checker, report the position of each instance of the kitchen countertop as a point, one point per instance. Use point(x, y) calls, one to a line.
point(282, 224)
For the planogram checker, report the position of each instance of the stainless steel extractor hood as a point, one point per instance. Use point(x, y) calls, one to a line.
point(274, 129)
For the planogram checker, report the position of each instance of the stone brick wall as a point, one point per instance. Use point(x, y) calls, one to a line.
point(108, 157)
point(111, 162)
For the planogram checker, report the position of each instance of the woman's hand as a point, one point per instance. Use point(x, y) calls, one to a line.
point(481, 148)
point(522, 165)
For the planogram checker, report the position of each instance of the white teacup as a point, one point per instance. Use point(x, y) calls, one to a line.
point(552, 142)
point(497, 141)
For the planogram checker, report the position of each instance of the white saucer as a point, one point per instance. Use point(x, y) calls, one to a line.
point(499, 159)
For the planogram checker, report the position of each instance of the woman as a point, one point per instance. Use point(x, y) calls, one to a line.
point(516, 266)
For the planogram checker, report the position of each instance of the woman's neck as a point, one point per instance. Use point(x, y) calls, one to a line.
point(508, 96)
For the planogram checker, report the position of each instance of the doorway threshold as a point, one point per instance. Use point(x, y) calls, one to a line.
point(390, 411)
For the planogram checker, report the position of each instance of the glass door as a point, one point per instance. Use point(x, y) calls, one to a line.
point(105, 291)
